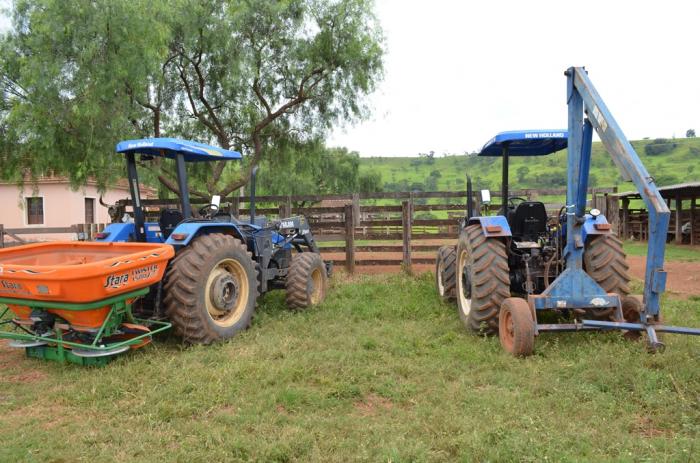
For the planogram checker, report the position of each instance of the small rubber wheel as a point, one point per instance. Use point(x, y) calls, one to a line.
point(516, 328)
point(445, 273)
point(306, 281)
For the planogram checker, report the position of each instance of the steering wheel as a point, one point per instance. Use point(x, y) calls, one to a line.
point(513, 199)
point(209, 210)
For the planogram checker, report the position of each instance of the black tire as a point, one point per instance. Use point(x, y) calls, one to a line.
point(306, 281)
point(482, 288)
point(445, 273)
point(211, 289)
point(605, 261)
point(516, 328)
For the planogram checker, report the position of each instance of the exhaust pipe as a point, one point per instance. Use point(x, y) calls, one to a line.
point(470, 198)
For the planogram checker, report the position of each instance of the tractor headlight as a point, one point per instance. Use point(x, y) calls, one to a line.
point(595, 213)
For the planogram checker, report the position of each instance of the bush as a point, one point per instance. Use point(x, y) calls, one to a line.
point(659, 146)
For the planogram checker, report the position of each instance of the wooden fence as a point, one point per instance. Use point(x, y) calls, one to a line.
point(17, 236)
point(360, 230)
point(389, 228)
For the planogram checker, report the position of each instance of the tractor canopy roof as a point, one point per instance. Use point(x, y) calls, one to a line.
point(170, 147)
point(526, 143)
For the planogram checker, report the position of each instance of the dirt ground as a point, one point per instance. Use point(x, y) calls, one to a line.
point(683, 277)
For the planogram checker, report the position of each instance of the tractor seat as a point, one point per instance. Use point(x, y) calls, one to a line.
point(169, 219)
point(529, 220)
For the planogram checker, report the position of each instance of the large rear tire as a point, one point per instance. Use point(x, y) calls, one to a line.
point(306, 281)
point(605, 261)
point(211, 289)
point(482, 279)
point(445, 281)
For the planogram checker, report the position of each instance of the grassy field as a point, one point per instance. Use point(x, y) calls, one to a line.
point(681, 253)
point(674, 166)
point(382, 371)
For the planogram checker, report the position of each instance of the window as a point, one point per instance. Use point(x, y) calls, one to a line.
point(35, 211)
point(89, 210)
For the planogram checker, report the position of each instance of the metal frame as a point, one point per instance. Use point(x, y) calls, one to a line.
point(58, 348)
point(573, 288)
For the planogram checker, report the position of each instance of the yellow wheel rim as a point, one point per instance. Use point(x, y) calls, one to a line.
point(441, 284)
point(226, 292)
point(316, 289)
point(465, 303)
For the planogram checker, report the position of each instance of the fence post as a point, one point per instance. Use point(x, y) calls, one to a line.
point(679, 219)
point(693, 226)
point(356, 217)
point(349, 239)
point(235, 204)
point(406, 216)
point(625, 218)
point(2, 235)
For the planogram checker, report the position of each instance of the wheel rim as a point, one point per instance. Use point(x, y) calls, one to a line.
point(464, 286)
point(226, 292)
point(440, 283)
point(315, 288)
point(506, 331)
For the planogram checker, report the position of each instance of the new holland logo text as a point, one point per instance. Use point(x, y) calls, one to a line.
point(115, 281)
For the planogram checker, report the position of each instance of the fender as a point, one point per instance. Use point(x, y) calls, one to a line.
point(193, 229)
point(492, 226)
point(589, 226)
point(121, 232)
point(116, 232)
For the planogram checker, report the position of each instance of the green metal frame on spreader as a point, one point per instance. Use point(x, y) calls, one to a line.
point(119, 309)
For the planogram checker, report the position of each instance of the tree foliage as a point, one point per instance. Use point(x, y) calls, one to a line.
point(310, 168)
point(258, 76)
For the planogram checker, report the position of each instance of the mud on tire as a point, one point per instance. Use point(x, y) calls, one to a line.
point(481, 289)
point(211, 289)
point(306, 281)
point(445, 273)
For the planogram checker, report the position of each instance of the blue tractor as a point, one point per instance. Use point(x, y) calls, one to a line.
point(221, 264)
point(507, 269)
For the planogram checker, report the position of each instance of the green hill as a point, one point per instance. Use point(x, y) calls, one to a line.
point(668, 160)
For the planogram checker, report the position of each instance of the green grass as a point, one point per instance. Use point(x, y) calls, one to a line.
point(675, 166)
point(381, 371)
point(683, 253)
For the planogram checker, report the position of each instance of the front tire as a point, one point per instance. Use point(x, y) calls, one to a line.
point(482, 279)
point(445, 280)
point(306, 281)
point(211, 289)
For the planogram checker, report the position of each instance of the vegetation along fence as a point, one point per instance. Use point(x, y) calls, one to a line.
point(358, 230)
point(388, 228)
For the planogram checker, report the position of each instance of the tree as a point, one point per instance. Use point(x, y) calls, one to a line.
point(690, 133)
point(522, 173)
point(251, 75)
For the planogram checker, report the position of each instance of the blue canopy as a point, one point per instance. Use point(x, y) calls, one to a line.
point(170, 147)
point(526, 143)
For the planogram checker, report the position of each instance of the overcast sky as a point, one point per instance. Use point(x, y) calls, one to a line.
point(457, 72)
